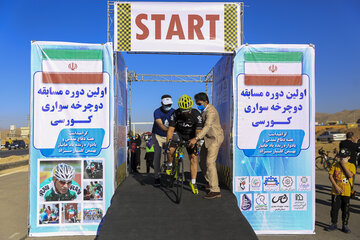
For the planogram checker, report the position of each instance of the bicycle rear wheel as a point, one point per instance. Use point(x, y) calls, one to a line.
point(319, 162)
point(179, 180)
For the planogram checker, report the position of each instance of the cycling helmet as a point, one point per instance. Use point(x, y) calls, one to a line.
point(344, 153)
point(185, 102)
point(64, 172)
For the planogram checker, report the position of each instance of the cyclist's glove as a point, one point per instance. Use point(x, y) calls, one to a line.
point(167, 146)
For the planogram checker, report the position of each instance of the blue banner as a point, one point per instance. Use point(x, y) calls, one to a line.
point(71, 150)
point(274, 148)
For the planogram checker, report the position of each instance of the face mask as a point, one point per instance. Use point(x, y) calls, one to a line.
point(201, 107)
point(166, 109)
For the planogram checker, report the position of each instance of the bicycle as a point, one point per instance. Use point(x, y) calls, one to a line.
point(324, 161)
point(176, 176)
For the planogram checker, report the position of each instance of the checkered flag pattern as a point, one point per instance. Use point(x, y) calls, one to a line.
point(230, 27)
point(123, 27)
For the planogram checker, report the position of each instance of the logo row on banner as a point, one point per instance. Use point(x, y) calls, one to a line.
point(273, 202)
point(272, 183)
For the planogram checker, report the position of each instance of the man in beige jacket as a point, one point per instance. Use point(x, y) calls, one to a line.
point(213, 136)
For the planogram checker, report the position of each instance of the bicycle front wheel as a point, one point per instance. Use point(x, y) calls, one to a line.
point(319, 162)
point(329, 163)
point(179, 181)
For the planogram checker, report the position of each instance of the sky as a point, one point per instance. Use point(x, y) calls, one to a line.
point(331, 25)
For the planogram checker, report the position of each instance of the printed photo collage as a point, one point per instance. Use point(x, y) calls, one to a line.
point(70, 191)
point(273, 193)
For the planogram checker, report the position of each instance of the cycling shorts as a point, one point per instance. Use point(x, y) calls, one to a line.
point(177, 138)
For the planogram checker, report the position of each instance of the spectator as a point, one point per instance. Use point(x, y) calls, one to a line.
point(138, 150)
point(149, 156)
point(159, 131)
point(213, 136)
point(134, 152)
point(341, 177)
point(350, 144)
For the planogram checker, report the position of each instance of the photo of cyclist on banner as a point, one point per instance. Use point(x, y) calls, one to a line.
point(49, 214)
point(93, 169)
point(71, 213)
point(61, 183)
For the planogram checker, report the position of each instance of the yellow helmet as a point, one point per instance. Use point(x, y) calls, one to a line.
point(185, 102)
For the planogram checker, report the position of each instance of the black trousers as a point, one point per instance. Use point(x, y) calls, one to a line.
point(149, 156)
point(338, 202)
point(134, 161)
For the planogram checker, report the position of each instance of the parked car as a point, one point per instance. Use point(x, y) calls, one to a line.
point(16, 144)
point(12, 145)
point(331, 136)
point(20, 143)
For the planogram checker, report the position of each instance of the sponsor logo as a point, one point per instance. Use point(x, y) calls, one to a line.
point(273, 68)
point(72, 66)
point(280, 202)
point(271, 183)
point(282, 198)
point(255, 183)
point(288, 183)
point(299, 201)
point(299, 197)
point(261, 202)
point(304, 179)
point(246, 202)
point(303, 183)
point(242, 184)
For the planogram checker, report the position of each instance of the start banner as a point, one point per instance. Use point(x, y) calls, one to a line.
point(71, 153)
point(193, 27)
point(274, 137)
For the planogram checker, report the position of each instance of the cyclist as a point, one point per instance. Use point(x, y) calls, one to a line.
point(72, 213)
point(61, 186)
point(185, 124)
point(92, 169)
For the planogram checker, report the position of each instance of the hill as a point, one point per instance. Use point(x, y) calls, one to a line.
point(346, 116)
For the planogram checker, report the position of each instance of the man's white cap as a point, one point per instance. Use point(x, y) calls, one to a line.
point(167, 101)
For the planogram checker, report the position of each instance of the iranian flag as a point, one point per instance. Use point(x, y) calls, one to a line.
point(273, 68)
point(72, 66)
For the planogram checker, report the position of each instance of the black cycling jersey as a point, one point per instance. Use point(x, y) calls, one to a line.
point(186, 123)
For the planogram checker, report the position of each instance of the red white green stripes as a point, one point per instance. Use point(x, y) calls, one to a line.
point(72, 66)
point(273, 68)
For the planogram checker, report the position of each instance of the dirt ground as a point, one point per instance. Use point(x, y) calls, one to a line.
point(14, 159)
